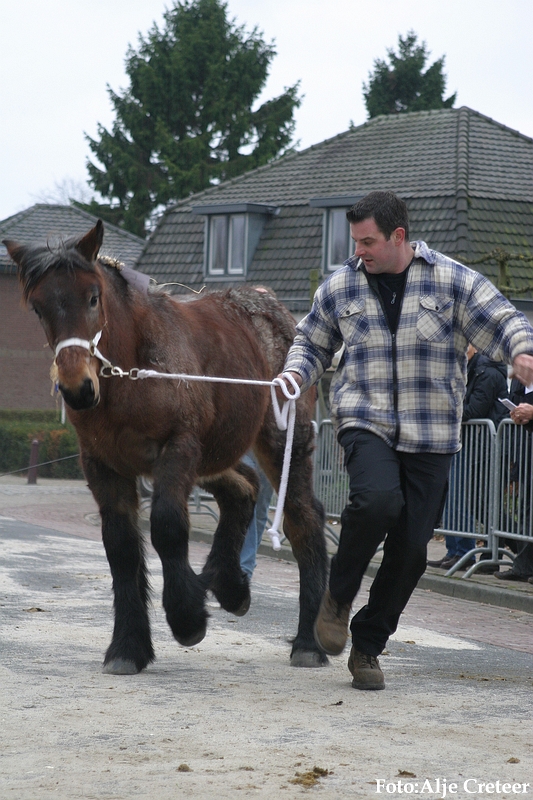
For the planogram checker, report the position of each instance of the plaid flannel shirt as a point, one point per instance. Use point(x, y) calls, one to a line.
point(408, 387)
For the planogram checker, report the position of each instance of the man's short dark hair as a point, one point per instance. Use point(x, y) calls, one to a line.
point(385, 208)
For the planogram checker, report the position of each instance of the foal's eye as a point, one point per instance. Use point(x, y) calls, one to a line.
point(93, 301)
point(37, 312)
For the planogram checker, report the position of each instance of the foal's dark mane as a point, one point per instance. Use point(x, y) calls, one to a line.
point(38, 261)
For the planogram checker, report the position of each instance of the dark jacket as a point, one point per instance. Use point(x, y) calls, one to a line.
point(519, 393)
point(486, 382)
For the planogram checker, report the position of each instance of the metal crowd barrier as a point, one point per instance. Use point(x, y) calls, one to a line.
point(330, 479)
point(490, 488)
point(489, 500)
point(468, 510)
point(513, 490)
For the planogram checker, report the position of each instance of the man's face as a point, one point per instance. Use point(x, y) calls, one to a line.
point(378, 253)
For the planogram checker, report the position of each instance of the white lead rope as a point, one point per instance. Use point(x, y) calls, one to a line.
point(285, 415)
point(285, 420)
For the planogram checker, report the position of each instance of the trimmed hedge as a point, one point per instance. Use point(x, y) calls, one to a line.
point(17, 431)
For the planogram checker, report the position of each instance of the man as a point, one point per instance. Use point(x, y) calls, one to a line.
point(405, 315)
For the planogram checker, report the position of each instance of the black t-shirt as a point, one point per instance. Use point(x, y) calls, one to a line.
point(391, 289)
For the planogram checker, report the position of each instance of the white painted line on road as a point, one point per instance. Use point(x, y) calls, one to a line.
point(426, 638)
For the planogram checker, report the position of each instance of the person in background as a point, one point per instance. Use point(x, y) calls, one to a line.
point(254, 534)
point(405, 314)
point(486, 382)
point(522, 569)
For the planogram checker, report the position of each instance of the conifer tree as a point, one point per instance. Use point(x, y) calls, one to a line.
point(402, 84)
point(188, 118)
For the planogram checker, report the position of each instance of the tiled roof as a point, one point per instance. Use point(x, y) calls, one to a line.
point(414, 155)
point(467, 181)
point(50, 223)
point(500, 161)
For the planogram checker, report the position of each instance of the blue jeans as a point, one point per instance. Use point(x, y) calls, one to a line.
point(254, 534)
point(458, 545)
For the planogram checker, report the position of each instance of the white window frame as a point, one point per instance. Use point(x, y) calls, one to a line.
point(212, 242)
point(229, 269)
point(329, 265)
point(241, 270)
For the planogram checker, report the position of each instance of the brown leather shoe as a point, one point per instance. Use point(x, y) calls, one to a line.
point(331, 625)
point(366, 671)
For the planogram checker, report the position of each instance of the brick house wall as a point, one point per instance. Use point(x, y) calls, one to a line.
point(25, 357)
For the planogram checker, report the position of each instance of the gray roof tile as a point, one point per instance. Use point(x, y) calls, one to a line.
point(52, 223)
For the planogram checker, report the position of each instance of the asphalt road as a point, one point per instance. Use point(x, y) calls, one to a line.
point(229, 718)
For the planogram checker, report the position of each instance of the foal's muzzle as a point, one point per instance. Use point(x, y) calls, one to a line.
point(82, 399)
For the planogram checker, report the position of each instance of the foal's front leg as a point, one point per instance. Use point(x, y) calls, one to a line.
point(235, 492)
point(304, 527)
point(131, 646)
point(183, 591)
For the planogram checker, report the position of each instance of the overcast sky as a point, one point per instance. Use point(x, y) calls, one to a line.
point(56, 57)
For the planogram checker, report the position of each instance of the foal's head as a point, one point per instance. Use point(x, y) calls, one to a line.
point(64, 286)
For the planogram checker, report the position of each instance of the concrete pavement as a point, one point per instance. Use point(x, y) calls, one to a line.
point(229, 718)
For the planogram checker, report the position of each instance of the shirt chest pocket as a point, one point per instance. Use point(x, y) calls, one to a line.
point(353, 323)
point(435, 317)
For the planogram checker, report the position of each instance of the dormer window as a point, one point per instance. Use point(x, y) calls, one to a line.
point(227, 244)
point(337, 244)
point(232, 233)
point(339, 241)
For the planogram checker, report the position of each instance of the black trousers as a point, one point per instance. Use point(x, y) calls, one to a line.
point(393, 496)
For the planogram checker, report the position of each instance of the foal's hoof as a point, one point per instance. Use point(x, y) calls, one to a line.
point(120, 666)
point(308, 658)
point(195, 638)
point(243, 608)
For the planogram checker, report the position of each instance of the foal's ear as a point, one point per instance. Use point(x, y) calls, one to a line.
point(89, 245)
point(15, 250)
